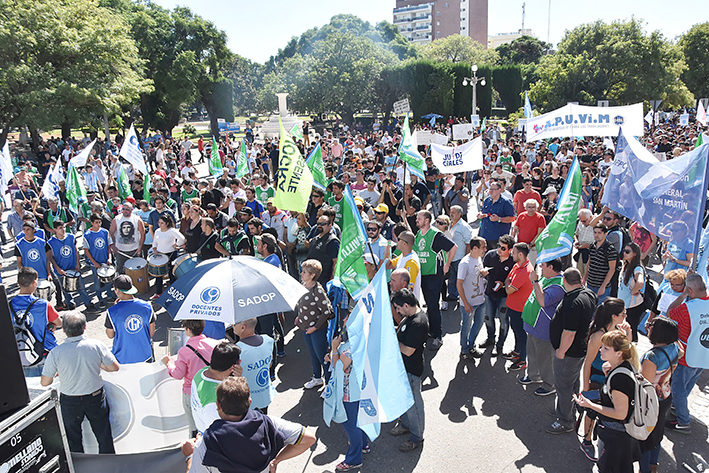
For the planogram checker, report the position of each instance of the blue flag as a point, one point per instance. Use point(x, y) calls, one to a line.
point(377, 366)
point(703, 255)
point(333, 409)
point(655, 193)
point(527, 107)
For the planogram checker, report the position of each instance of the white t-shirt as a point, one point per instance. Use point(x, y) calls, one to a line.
point(292, 432)
point(473, 282)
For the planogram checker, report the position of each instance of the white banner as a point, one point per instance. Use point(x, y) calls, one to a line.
point(463, 131)
point(579, 120)
point(80, 159)
point(426, 137)
point(401, 107)
point(451, 160)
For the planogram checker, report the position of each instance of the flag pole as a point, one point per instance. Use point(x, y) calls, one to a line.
point(700, 217)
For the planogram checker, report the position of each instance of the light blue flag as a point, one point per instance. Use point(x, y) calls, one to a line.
point(703, 255)
point(527, 107)
point(432, 121)
point(333, 409)
point(655, 193)
point(377, 366)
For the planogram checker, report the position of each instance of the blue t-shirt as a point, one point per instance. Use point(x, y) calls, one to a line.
point(37, 319)
point(256, 207)
point(553, 294)
point(215, 330)
point(34, 255)
point(131, 321)
point(97, 244)
point(274, 260)
point(64, 251)
point(663, 374)
point(490, 230)
point(677, 249)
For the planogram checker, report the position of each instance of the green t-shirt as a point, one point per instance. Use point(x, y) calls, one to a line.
point(338, 206)
point(262, 195)
point(507, 163)
point(187, 196)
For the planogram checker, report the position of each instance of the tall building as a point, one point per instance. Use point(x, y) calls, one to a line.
point(422, 21)
point(505, 38)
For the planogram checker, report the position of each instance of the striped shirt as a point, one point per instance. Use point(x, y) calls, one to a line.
point(598, 263)
point(91, 181)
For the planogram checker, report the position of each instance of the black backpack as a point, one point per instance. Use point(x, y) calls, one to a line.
point(31, 349)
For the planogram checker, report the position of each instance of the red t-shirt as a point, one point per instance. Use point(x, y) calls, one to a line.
point(680, 315)
point(529, 226)
point(519, 279)
point(521, 197)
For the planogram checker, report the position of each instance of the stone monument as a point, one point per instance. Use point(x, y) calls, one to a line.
point(271, 128)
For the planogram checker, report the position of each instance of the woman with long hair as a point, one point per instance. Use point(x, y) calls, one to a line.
point(657, 365)
point(193, 229)
point(166, 240)
point(618, 450)
point(610, 315)
point(631, 285)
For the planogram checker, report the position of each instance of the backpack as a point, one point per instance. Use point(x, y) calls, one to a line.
point(646, 406)
point(31, 350)
point(650, 294)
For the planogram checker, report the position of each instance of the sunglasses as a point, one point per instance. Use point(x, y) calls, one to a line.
point(503, 248)
point(322, 224)
point(372, 229)
point(440, 222)
point(627, 252)
point(607, 218)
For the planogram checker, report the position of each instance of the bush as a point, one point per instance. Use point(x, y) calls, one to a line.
point(189, 129)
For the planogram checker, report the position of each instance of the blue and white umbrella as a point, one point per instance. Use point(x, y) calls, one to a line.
point(231, 290)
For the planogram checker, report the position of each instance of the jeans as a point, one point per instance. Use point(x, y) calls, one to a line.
point(468, 334)
point(606, 294)
point(34, 371)
point(99, 288)
point(356, 436)
point(453, 280)
point(435, 199)
point(414, 419)
point(68, 297)
point(683, 380)
point(187, 406)
point(93, 407)
point(651, 457)
point(317, 346)
point(520, 335)
point(540, 354)
point(495, 308)
point(567, 380)
point(431, 289)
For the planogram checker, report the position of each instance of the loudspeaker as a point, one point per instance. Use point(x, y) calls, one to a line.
point(14, 393)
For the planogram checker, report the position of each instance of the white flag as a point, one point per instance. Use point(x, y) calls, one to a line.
point(80, 159)
point(450, 160)
point(132, 153)
point(702, 114)
point(648, 117)
point(50, 188)
point(5, 168)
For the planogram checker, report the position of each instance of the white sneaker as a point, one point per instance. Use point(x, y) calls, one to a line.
point(314, 383)
point(444, 305)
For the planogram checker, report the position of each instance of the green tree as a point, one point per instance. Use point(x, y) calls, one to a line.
point(429, 85)
point(457, 48)
point(523, 50)
point(695, 46)
point(617, 61)
point(507, 81)
point(64, 62)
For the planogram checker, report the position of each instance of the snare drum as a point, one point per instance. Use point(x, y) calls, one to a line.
point(70, 283)
point(45, 289)
point(137, 270)
point(184, 264)
point(106, 274)
point(157, 265)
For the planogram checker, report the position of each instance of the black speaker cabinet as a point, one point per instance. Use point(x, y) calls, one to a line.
point(13, 394)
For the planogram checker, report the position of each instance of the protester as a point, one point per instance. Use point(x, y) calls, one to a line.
point(471, 289)
point(130, 323)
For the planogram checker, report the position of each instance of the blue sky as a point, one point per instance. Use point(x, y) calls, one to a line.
point(257, 29)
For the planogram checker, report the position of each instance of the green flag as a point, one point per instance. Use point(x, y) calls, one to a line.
point(350, 269)
point(215, 162)
point(75, 190)
point(408, 152)
point(295, 181)
point(315, 163)
point(484, 124)
point(242, 161)
point(557, 239)
point(123, 183)
point(295, 132)
point(700, 141)
point(532, 307)
point(146, 188)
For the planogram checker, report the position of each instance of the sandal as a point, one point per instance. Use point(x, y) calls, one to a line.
point(345, 467)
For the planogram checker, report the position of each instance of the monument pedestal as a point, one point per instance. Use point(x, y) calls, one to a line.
point(271, 129)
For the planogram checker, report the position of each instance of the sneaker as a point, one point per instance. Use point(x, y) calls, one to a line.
point(496, 351)
point(71, 306)
point(366, 449)
point(510, 356)
point(314, 383)
point(398, 429)
point(101, 305)
point(558, 428)
point(487, 343)
point(155, 297)
point(518, 365)
point(527, 380)
point(409, 446)
point(467, 356)
point(346, 467)
point(589, 450)
point(281, 354)
point(679, 428)
point(475, 353)
point(444, 305)
point(92, 308)
point(541, 391)
point(435, 344)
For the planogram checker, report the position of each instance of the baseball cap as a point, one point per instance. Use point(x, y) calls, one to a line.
point(269, 201)
point(549, 190)
point(124, 283)
point(247, 210)
point(381, 208)
point(266, 238)
point(359, 201)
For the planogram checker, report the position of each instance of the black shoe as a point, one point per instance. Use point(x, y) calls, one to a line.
point(487, 343)
point(496, 351)
point(475, 353)
point(71, 306)
point(518, 365)
point(513, 355)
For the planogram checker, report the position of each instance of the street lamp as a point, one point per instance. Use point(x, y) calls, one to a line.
point(473, 81)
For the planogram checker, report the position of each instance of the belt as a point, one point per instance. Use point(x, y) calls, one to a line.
point(93, 394)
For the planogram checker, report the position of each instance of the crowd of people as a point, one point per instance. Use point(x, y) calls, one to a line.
point(453, 243)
